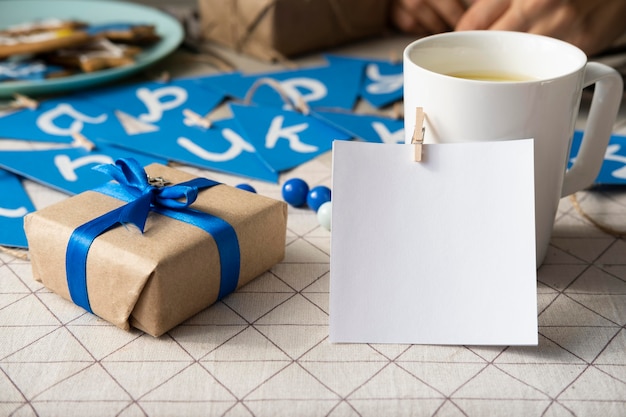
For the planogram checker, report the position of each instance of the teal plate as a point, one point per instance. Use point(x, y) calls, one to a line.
point(14, 12)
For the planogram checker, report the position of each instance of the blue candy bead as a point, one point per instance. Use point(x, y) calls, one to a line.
point(295, 192)
point(318, 196)
point(246, 187)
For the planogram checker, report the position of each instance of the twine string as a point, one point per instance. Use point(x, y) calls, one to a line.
point(603, 227)
point(298, 103)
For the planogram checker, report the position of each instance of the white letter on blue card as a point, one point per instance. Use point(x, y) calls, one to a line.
point(238, 145)
point(385, 135)
point(382, 84)
point(277, 131)
point(317, 90)
point(156, 107)
point(46, 120)
point(67, 167)
point(13, 213)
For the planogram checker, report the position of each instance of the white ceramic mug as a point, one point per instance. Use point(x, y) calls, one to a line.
point(543, 106)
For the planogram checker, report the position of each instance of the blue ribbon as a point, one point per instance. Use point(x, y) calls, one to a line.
point(141, 197)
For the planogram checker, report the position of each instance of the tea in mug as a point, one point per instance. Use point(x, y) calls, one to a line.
point(493, 76)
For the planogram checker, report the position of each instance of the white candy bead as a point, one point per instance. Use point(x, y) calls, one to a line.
point(324, 215)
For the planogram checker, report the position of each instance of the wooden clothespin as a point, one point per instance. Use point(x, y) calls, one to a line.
point(194, 119)
point(397, 111)
point(418, 133)
point(394, 56)
point(164, 77)
point(22, 101)
point(82, 141)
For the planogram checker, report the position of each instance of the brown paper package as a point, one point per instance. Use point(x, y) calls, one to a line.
point(275, 29)
point(156, 280)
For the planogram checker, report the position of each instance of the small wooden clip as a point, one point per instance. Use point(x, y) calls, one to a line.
point(418, 133)
point(25, 102)
point(20, 102)
point(194, 119)
point(397, 111)
point(82, 141)
point(394, 56)
point(164, 77)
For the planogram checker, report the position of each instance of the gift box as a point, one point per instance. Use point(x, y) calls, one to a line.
point(193, 242)
point(275, 29)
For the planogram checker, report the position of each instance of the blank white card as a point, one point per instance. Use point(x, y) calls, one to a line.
point(434, 252)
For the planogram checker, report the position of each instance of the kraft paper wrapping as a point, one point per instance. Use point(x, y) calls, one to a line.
point(275, 29)
point(156, 280)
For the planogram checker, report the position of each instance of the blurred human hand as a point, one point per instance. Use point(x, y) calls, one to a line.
point(425, 17)
point(592, 25)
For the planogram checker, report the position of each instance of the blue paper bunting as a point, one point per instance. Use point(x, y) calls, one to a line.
point(284, 138)
point(68, 170)
point(14, 205)
point(229, 84)
point(613, 170)
point(147, 121)
point(383, 83)
point(369, 128)
point(332, 86)
point(56, 120)
point(157, 105)
point(222, 148)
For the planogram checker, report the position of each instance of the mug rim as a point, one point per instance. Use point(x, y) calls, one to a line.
point(493, 34)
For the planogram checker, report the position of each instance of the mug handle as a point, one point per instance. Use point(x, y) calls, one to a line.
point(602, 114)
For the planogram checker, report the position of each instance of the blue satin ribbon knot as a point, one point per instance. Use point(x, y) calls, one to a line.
point(134, 188)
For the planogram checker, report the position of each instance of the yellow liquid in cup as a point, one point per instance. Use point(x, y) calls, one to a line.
point(491, 76)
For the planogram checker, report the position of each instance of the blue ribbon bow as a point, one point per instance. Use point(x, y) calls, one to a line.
point(174, 201)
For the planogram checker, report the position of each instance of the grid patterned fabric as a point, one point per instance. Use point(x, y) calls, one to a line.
point(264, 350)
